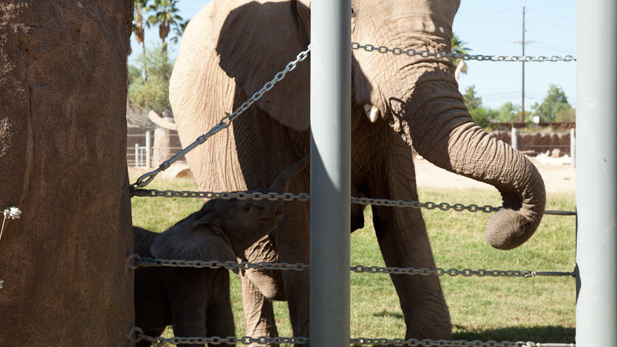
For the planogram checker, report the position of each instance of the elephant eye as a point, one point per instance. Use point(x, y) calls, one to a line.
point(247, 207)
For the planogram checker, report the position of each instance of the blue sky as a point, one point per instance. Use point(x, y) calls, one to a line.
point(494, 27)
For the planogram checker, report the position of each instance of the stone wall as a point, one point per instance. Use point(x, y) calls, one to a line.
point(535, 143)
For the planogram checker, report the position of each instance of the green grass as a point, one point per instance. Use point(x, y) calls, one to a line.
point(540, 309)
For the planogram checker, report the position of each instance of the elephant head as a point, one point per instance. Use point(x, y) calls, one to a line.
point(222, 229)
point(417, 96)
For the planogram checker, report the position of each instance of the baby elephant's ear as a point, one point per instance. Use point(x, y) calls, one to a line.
point(199, 243)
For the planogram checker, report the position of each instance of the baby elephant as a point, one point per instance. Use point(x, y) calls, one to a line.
point(196, 301)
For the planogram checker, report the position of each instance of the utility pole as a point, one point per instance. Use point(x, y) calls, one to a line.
point(523, 81)
point(523, 43)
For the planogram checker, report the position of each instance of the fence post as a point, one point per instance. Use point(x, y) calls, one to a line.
point(330, 172)
point(572, 148)
point(136, 155)
point(148, 149)
point(514, 138)
point(596, 186)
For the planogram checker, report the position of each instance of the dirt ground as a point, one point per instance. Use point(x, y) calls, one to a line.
point(557, 178)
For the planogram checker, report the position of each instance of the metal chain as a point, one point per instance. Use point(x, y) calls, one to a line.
point(134, 261)
point(456, 272)
point(476, 343)
point(479, 57)
point(226, 120)
point(136, 335)
point(444, 206)
point(429, 205)
point(272, 196)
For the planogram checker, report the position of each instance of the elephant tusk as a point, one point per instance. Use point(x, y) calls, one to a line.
point(372, 112)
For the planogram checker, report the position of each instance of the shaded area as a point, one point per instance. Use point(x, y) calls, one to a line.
point(542, 334)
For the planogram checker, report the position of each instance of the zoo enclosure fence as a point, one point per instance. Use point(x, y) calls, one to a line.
point(607, 334)
point(149, 147)
point(135, 261)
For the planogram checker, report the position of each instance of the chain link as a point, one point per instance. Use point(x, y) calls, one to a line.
point(429, 205)
point(429, 342)
point(455, 272)
point(134, 261)
point(225, 122)
point(136, 335)
point(452, 56)
point(278, 77)
point(444, 206)
point(272, 196)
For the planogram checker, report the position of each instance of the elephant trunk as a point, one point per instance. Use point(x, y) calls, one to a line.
point(444, 133)
point(281, 183)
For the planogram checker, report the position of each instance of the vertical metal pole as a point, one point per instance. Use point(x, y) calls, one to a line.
point(148, 149)
point(514, 137)
point(596, 186)
point(572, 148)
point(330, 171)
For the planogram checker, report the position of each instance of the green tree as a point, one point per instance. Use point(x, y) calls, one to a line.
point(554, 103)
point(165, 13)
point(471, 99)
point(483, 116)
point(458, 47)
point(151, 93)
point(508, 113)
point(568, 115)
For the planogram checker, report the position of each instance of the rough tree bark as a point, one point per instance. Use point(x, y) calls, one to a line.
point(62, 162)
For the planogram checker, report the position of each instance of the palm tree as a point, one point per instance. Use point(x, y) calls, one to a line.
point(458, 48)
point(138, 23)
point(179, 31)
point(165, 14)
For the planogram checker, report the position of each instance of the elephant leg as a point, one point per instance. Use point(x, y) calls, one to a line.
point(403, 241)
point(292, 241)
point(259, 287)
point(188, 291)
point(258, 312)
point(219, 316)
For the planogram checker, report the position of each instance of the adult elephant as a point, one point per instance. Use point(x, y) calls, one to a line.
point(232, 47)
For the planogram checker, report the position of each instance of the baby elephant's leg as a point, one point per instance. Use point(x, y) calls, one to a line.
point(188, 301)
point(219, 315)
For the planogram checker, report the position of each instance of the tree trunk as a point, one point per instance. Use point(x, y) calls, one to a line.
point(63, 163)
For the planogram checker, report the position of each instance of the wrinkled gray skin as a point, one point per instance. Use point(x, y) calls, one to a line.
point(232, 47)
point(196, 301)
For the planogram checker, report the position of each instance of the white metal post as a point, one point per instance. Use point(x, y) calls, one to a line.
point(137, 155)
point(514, 136)
point(148, 149)
point(596, 185)
point(330, 172)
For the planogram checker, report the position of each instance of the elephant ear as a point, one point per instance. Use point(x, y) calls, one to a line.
point(196, 243)
point(257, 40)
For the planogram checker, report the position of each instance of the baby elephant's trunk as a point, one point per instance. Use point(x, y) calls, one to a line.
point(281, 183)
